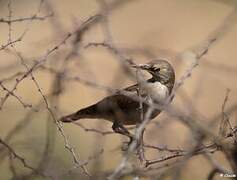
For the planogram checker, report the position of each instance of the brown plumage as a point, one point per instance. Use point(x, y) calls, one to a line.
point(124, 109)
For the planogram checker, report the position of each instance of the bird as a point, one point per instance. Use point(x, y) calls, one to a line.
point(123, 109)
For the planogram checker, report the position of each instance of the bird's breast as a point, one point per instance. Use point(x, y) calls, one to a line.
point(156, 91)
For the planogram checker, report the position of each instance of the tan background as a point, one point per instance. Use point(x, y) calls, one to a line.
point(165, 27)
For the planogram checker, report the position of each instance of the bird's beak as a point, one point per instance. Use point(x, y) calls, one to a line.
point(141, 66)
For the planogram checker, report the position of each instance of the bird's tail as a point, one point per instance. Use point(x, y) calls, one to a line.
point(88, 112)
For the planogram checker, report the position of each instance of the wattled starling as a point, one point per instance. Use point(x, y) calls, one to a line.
point(124, 109)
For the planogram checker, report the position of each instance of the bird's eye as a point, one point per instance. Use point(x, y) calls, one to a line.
point(156, 68)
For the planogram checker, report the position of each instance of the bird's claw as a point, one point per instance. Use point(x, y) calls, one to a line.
point(127, 144)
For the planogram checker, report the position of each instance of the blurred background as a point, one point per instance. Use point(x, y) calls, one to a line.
point(141, 31)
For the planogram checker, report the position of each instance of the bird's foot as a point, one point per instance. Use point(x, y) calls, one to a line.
point(133, 143)
point(125, 146)
point(120, 129)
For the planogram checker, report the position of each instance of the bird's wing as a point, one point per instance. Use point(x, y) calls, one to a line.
point(128, 91)
point(136, 90)
point(126, 103)
point(122, 107)
point(131, 88)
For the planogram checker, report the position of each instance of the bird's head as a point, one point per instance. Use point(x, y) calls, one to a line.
point(161, 70)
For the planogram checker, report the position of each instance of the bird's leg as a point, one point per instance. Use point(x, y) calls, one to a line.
point(119, 128)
